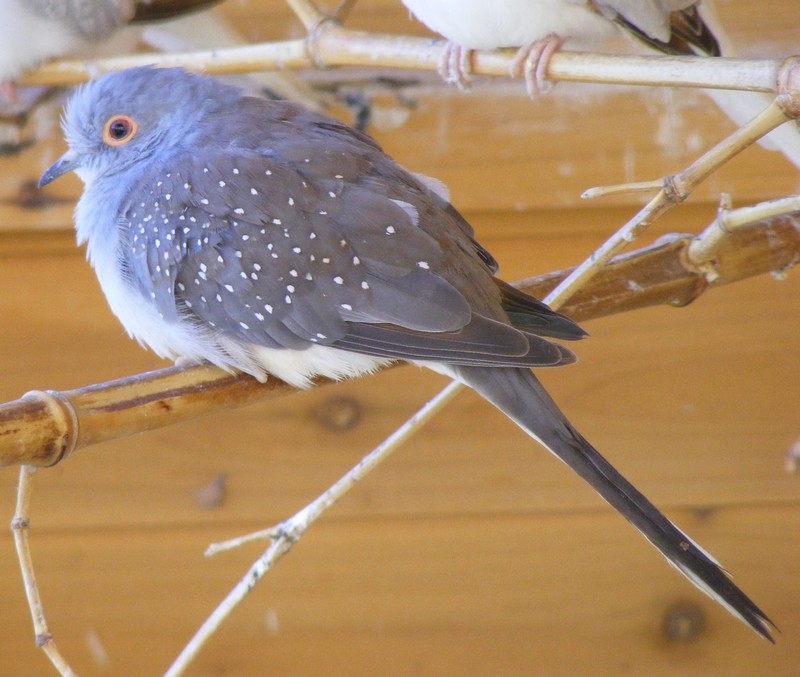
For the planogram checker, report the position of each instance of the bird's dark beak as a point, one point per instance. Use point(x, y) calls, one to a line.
point(66, 163)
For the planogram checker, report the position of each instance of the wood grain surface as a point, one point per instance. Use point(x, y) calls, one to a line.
point(471, 552)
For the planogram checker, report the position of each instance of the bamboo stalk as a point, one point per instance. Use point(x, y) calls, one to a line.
point(332, 45)
point(42, 428)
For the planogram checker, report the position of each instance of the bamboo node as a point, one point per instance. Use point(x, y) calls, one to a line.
point(64, 418)
point(19, 523)
point(315, 36)
point(788, 87)
point(43, 639)
point(675, 188)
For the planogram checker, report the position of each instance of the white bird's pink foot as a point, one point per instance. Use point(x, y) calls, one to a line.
point(455, 65)
point(531, 62)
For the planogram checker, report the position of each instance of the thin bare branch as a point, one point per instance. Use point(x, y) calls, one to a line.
point(307, 12)
point(673, 190)
point(20, 529)
point(705, 247)
point(288, 532)
point(241, 589)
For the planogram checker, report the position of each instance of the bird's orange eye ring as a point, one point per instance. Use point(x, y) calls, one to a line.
point(118, 130)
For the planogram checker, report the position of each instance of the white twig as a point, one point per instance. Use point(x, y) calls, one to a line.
point(20, 529)
point(673, 190)
point(307, 12)
point(286, 534)
point(705, 246)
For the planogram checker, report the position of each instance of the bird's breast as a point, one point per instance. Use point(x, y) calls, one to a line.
point(179, 336)
point(98, 225)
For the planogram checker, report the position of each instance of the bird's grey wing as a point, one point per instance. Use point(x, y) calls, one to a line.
point(425, 202)
point(529, 314)
point(669, 26)
point(244, 245)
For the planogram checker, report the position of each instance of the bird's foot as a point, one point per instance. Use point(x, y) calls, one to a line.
point(532, 61)
point(455, 65)
point(185, 362)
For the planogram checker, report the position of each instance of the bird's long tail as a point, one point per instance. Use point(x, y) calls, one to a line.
point(519, 395)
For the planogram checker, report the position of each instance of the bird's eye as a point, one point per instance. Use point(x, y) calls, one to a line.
point(118, 130)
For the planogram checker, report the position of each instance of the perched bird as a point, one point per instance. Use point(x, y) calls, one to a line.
point(268, 239)
point(538, 28)
point(32, 31)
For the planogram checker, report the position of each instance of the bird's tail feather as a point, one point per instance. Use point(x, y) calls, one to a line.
point(519, 395)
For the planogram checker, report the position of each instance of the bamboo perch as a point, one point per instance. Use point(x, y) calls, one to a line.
point(42, 428)
point(331, 45)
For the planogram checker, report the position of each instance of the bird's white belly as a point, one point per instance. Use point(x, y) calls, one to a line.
point(180, 338)
point(481, 24)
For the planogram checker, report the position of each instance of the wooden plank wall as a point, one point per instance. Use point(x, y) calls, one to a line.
point(471, 551)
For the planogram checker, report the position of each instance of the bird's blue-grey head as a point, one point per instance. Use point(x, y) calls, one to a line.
point(123, 119)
